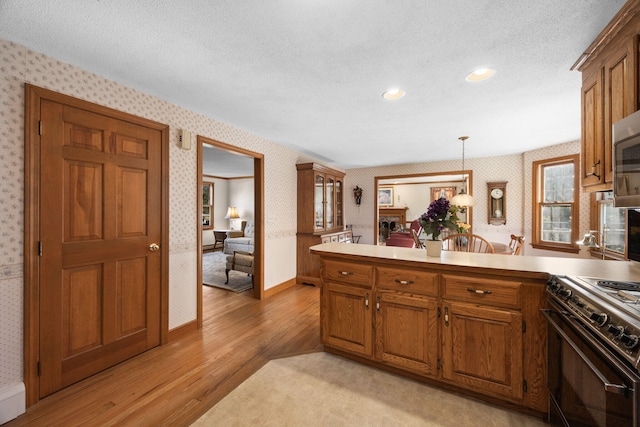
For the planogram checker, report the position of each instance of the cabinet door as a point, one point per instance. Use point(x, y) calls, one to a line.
point(407, 332)
point(592, 129)
point(339, 203)
point(482, 349)
point(347, 317)
point(330, 192)
point(319, 202)
point(620, 96)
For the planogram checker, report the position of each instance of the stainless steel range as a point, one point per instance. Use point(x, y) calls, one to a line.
point(593, 351)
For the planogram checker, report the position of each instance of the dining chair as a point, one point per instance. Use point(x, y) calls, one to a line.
point(516, 244)
point(466, 242)
point(417, 243)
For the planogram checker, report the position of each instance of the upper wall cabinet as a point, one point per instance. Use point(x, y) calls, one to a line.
point(609, 93)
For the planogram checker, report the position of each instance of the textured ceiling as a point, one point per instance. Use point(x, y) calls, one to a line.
point(309, 74)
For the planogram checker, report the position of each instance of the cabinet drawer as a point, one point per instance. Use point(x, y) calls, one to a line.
point(501, 293)
point(334, 238)
point(407, 280)
point(344, 237)
point(341, 271)
point(326, 239)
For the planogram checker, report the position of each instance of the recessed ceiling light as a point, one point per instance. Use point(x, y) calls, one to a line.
point(480, 74)
point(393, 94)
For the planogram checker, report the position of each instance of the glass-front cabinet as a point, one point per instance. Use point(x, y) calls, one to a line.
point(327, 204)
point(320, 217)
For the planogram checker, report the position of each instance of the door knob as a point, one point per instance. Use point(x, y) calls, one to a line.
point(154, 247)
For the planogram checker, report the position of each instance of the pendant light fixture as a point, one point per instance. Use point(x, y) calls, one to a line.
point(463, 199)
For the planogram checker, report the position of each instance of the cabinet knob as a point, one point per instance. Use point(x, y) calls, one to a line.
point(405, 282)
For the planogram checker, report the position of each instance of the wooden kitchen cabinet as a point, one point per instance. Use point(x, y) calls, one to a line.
point(406, 319)
point(407, 331)
point(346, 319)
point(478, 321)
point(609, 93)
point(482, 349)
point(346, 307)
point(320, 216)
point(464, 330)
point(482, 334)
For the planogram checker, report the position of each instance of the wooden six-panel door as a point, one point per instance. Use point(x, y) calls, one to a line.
point(100, 231)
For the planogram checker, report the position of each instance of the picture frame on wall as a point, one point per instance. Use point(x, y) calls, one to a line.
point(385, 197)
point(447, 192)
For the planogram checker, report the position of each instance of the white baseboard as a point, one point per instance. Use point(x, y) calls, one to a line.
point(12, 401)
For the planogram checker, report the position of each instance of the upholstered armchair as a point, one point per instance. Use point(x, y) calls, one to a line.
point(240, 261)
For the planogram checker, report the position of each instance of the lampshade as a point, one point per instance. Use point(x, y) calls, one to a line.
point(463, 199)
point(232, 213)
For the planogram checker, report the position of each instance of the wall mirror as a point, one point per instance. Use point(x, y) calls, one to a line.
point(411, 195)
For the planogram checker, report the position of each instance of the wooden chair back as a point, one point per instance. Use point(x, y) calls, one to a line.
point(467, 242)
point(516, 244)
point(416, 240)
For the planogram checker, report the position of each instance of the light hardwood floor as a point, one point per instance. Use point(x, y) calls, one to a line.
point(173, 385)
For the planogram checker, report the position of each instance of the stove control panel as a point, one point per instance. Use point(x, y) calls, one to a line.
point(605, 318)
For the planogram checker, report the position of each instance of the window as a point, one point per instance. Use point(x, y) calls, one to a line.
point(612, 224)
point(555, 204)
point(207, 205)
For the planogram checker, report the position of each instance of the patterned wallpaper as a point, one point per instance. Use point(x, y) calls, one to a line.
point(19, 65)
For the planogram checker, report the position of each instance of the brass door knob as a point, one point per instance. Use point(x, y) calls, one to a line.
point(154, 247)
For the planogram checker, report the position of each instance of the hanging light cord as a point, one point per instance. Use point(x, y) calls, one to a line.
point(463, 139)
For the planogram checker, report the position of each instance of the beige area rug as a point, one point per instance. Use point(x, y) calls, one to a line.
point(321, 389)
point(213, 266)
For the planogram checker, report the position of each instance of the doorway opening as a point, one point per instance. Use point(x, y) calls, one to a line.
point(403, 198)
point(233, 179)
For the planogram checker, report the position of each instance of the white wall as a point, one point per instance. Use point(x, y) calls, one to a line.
point(241, 196)
point(220, 202)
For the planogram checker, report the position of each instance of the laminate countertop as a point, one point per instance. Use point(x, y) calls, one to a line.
point(533, 266)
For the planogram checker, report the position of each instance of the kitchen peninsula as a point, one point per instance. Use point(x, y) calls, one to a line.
point(466, 322)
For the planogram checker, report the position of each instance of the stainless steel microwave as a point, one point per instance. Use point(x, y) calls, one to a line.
point(626, 162)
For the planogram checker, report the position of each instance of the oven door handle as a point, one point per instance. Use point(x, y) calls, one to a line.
point(609, 387)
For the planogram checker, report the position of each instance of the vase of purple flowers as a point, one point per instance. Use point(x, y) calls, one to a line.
point(440, 216)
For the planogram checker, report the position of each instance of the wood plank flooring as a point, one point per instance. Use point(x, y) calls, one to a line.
point(173, 385)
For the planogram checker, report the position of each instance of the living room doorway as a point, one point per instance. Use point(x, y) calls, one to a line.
point(230, 202)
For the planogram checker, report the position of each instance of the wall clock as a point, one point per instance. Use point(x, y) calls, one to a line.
point(497, 202)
